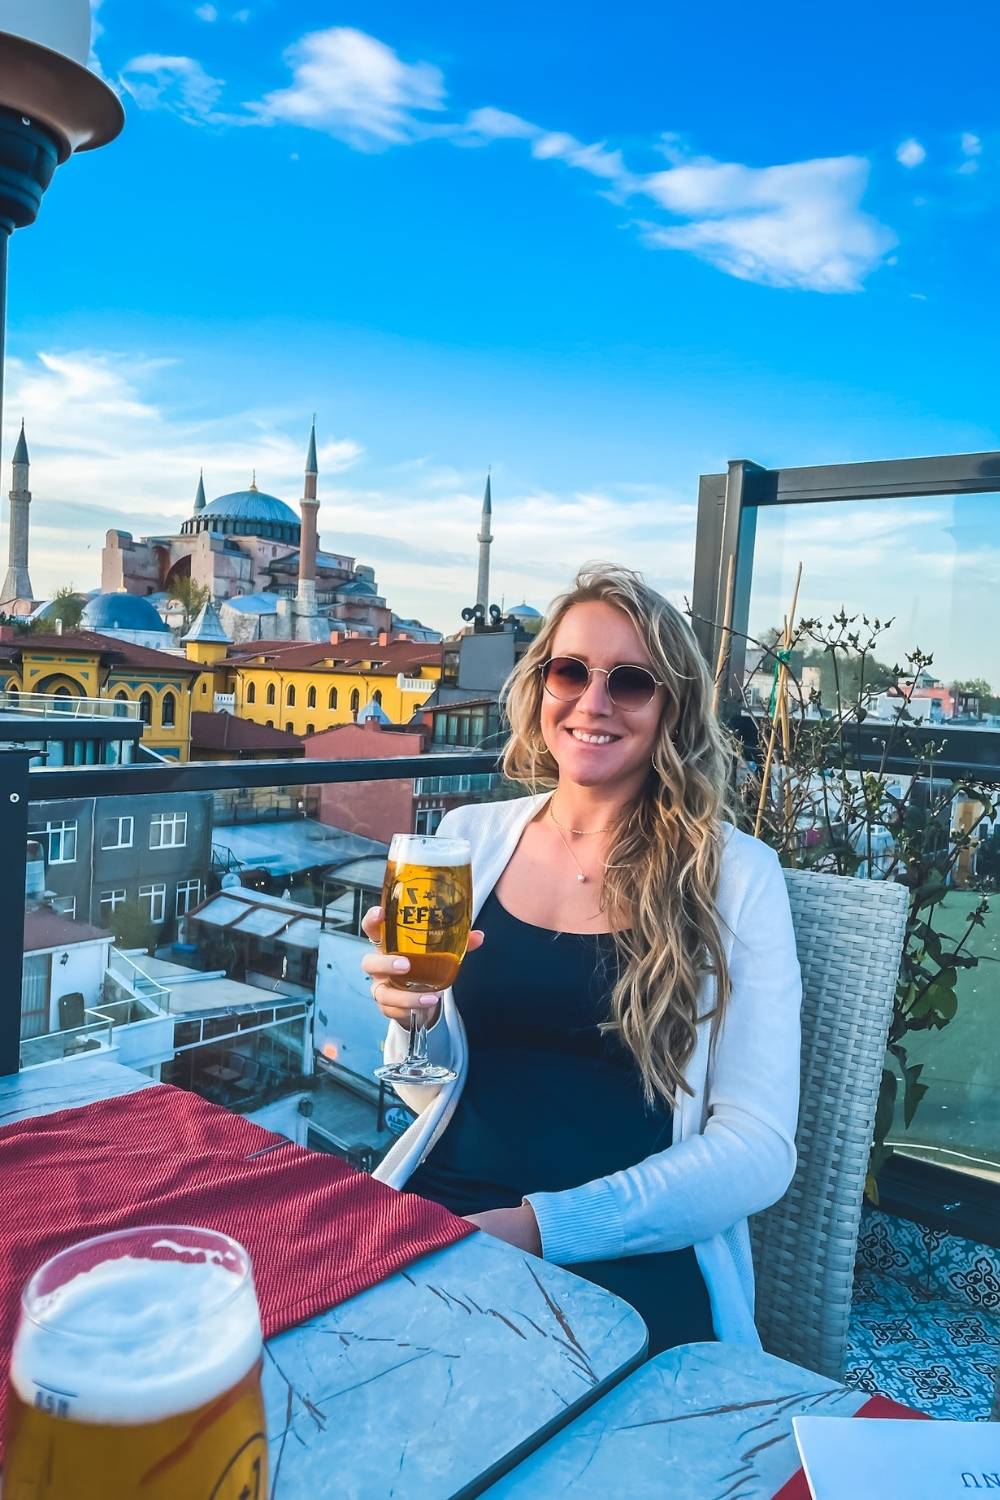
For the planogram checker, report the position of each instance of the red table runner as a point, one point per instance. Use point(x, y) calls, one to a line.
point(317, 1231)
point(797, 1487)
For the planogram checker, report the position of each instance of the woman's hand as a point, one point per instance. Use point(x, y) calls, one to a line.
point(518, 1226)
point(394, 1003)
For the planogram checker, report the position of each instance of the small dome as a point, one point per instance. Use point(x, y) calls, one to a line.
point(252, 604)
point(251, 505)
point(121, 612)
point(525, 612)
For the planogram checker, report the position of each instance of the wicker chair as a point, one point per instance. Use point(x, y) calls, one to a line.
point(849, 935)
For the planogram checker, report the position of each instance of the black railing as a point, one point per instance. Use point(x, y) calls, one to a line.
point(968, 1206)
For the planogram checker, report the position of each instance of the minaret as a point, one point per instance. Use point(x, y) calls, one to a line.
point(199, 499)
point(17, 584)
point(485, 538)
point(306, 595)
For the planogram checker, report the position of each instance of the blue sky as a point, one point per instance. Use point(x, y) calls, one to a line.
point(602, 248)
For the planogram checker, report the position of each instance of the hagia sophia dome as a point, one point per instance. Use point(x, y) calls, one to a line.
point(249, 512)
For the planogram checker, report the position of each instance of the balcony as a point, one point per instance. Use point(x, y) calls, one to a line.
point(54, 706)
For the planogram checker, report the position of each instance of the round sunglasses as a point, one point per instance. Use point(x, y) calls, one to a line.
point(568, 678)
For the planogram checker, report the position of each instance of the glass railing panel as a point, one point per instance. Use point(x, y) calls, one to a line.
point(213, 940)
point(904, 576)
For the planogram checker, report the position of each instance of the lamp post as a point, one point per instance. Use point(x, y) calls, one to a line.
point(50, 106)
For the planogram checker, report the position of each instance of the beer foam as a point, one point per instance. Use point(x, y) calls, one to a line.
point(134, 1341)
point(427, 850)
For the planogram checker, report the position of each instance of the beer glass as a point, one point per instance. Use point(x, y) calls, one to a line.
point(427, 907)
point(135, 1373)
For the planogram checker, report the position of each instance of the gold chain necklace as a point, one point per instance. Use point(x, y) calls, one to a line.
point(581, 873)
point(581, 832)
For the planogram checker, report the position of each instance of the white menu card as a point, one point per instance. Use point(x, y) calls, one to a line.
point(850, 1458)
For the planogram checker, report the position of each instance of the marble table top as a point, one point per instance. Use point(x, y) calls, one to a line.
point(428, 1385)
point(702, 1422)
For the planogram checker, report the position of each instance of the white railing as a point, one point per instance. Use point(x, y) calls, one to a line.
point(125, 969)
point(414, 684)
point(49, 706)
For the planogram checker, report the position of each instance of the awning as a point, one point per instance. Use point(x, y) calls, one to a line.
point(289, 847)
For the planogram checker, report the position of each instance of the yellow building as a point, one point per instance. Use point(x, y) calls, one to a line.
point(82, 664)
point(305, 687)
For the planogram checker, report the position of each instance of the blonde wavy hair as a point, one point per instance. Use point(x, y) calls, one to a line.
point(662, 872)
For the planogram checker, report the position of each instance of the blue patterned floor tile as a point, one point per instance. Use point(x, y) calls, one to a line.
point(937, 1355)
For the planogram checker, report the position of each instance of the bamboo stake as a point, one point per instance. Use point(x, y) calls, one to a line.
point(780, 712)
point(727, 620)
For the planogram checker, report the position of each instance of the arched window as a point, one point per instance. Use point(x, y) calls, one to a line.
point(146, 708)
point(290, 696)
point(168, 718)
point(311, 698)
point(270, 723)
point(270, 694)
point(310, 729)
point(251, 692)
point(355, 700)
point(288, 728)
point(332, 699)
point(377, 697)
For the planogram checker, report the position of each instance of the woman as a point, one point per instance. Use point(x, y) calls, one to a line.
point(625, 1025)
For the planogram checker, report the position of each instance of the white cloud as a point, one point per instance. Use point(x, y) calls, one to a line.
point(910, 153)
point(971, 144)
point(107, 451)
point(491, 124)
point(206, 13)
point(179, 83)
point(797, 225)
point(354, 87)
point(241, 15)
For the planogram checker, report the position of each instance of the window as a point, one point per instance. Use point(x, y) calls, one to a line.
point(117, 834)
point(355, 700)
point(168, 717)
point(290, 696)
point(60, 841)
point(310, 729)
point(332, 698)
point(65, 905)
point(110, 902)
point(270, 723)
point(168, 831)
point(251, 692)
point(188, 895)
point(154, 896)
point(427, 819)
point(288, 728)
point(377, 697)
point(146, 708)
point(270, 693)
point(311, 698)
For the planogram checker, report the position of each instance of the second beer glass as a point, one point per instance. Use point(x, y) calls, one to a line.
point(427, 907)
point(136, 1373)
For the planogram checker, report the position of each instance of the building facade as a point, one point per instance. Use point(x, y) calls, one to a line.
point(133, 866)
point(83, 665)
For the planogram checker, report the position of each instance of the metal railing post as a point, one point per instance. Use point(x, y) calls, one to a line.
point(14, 845)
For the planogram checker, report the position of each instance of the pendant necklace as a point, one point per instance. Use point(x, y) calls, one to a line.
point(581, 832)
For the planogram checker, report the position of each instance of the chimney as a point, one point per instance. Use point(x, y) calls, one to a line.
point(383, 637)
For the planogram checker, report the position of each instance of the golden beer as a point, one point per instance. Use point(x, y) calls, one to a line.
point(427, 902)
point(136, 1376)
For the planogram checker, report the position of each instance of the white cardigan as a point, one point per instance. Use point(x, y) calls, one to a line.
point(733, 1149)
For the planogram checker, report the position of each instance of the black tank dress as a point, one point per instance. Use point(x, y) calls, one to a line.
point(550, 1102)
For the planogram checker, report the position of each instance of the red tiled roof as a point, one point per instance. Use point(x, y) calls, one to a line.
point(226, 732)
point(44, 928)
point(398, 656)
point(112, 649)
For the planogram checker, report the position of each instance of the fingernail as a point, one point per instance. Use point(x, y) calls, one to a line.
point(428, 999)
point(401, 965)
